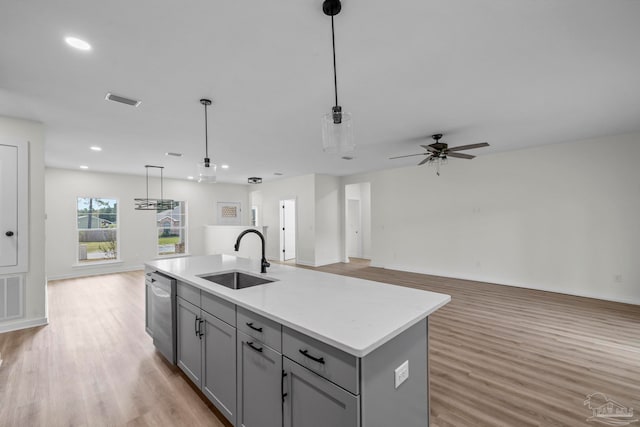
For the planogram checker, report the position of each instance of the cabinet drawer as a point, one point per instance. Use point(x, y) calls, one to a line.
point(335, 365)
point(259, 327)
point(188, 293)
point(223, 310)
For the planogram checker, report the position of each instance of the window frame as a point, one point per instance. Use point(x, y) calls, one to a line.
point(87, 261)
point(184, 227)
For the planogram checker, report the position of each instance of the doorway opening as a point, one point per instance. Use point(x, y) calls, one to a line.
point(288, 231)
point(357, 230)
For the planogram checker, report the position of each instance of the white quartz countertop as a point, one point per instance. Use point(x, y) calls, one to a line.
point(354, 315)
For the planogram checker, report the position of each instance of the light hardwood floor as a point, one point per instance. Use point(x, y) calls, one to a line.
point(500, 356)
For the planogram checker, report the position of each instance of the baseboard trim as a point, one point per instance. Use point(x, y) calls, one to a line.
point(515, 285)
point(24, 324)
point(327, 262)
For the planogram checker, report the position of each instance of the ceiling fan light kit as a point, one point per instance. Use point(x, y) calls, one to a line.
point(337, 126)
point(206, 169)
point(438, 152)
point(151, 204)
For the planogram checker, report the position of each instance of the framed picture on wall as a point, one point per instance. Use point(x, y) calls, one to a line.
point(229, 213)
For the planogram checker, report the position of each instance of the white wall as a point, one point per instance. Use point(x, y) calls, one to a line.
point(138, 233)
point(329, 208)
point(11, 131)
point(561, 217)
point(301, 188)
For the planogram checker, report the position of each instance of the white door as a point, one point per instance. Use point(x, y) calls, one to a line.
point(287, 229)
point(354, 237)
point(9, 206)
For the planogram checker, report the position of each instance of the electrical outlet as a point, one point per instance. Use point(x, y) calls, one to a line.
point(402, 373)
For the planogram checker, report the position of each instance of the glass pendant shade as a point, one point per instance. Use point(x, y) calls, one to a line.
point(337, 133)
point(207, 172)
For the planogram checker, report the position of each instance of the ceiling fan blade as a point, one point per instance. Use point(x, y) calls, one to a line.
point(425, 161)
point(429, 148)
point(460, 155)
point(469, 147)
point(408, 155)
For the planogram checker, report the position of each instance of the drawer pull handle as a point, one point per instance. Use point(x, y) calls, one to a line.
point(250, 344)
point(250, 324)
point(196, 324)
point(315, 359)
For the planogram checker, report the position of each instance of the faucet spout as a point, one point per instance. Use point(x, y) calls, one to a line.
point(263, 262)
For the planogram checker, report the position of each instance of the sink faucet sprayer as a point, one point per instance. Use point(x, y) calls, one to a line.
point(263, 263)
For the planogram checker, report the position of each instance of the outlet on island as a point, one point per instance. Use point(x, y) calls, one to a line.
point(402, 373)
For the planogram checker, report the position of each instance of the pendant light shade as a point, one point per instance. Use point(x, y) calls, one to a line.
point(337, 126)
point(206, 169)
point(207, 172)
point(337, 136)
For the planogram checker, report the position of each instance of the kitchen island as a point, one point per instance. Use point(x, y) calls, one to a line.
point(307, 346)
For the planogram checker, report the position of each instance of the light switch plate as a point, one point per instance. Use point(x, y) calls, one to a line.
point(402, 373)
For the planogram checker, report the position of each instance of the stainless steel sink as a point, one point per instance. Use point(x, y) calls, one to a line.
point(236, 279)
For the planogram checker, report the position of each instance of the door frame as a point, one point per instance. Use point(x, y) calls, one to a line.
point(281, 239)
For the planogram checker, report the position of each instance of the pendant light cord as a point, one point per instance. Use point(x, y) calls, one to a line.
point(206, 133)
point(335, 74)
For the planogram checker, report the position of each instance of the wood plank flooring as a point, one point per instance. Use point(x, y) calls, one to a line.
point(505, 356)
point(94, 364)
point(500, 356)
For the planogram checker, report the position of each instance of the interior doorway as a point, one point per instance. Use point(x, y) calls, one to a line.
point(287, 230)
point(354, 226)
point(357, 220)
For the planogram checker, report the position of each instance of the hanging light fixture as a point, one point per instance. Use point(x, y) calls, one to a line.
point(150, 204)
point(206, 169)
point(337, 126)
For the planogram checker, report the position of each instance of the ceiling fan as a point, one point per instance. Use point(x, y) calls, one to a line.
point(438, 152)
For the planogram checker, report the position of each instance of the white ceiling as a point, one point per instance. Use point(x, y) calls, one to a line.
point(515, 73)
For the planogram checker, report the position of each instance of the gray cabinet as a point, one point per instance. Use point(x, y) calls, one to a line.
point(219, 367)
point(259, 384)
point(263, 374)
point(189, 340)
point(313, 401)
point(207, 347)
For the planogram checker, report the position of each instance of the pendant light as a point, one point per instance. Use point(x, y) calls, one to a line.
point(150, 204)
point(206, 169)
point(337, 126)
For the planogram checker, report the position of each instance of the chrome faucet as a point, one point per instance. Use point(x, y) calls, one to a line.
point(263, 263)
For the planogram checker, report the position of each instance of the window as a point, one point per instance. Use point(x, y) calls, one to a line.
point(172, 230)
point(97, 221)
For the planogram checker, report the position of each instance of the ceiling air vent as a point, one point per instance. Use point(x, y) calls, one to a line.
point(121, 99)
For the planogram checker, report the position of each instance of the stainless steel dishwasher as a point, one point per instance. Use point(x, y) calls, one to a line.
point(163, 314)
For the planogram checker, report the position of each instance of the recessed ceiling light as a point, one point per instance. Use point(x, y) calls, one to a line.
point(278, 173)
point(254, 180)
point(173, 154)
point(189, 177)
point(84, 167)
point(96, 148)
point(347, 158)
point(77, 43)
point(224, 166)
